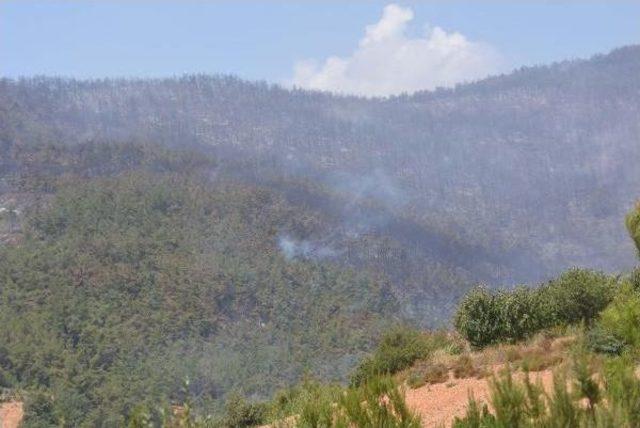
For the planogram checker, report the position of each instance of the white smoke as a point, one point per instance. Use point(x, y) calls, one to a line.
point(295, 248)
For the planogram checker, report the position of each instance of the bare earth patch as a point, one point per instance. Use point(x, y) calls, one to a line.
point(11, 414)
point(439, 404)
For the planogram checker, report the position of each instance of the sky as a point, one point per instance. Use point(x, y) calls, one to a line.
point(361, 47)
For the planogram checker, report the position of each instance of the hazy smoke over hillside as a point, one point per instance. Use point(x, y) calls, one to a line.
point(481, 177)
point(293, 248)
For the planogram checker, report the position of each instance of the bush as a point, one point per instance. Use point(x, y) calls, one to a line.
point(416, 379)
point(485, 318)
point(522, 313)
point(622, 317)
point(317, 411)
point(39, 410)
point(464, 367)
point(310, 400)
point(398, 349)
point(536, 360)
point(427, 373)
point(602, 341)
point(632, 222)
point(240, 413)
point(478, 317)
point(578, 295)
point(377, 403)
point(436, 373)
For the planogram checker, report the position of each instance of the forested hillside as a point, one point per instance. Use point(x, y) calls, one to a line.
point(552, 145)
point(121, 286)
point(241, 235)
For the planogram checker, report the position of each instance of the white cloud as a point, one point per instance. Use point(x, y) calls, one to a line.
point(387, 61)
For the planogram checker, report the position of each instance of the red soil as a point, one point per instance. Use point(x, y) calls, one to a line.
point(11, 414)
point(439, 404)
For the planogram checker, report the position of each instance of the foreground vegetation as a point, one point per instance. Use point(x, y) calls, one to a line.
point(595, 393)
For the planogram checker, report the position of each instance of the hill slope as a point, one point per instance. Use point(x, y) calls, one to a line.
point(546, 144)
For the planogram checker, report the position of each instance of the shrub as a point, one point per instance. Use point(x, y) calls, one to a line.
point(310, 401)
point(398, 349)
point(464, 367)
point(600, 340)
point(508, 399)
point(522, 313)
point(512, 353)
point(416, 379)
point(577, 295)
point(535, 360)
point(317, 412)
point(475, 416)
point(436, 373)
point(241, 413)
point(623, 390)
point(622, 317)
point(377, 403)
point(427, 373)
point(632, 222)
point(478, 317)
point(39, 408)
point(484, 317)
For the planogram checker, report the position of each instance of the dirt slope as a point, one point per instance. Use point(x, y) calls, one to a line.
point(11, 414)
point(439, 404)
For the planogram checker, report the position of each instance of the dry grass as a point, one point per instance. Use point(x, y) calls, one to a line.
point(436, 373)
point(535, 360)
point(539, 353)
point(464, 367)
point(427, 373)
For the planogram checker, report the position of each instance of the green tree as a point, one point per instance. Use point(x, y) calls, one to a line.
point(633, 225)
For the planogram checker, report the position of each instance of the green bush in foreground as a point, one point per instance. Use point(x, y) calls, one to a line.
point(478, 317)
point(577, 295)
point(486, 317)
point(377, 403)
point(622, 317)
point(602, 341)
point(310, 402)
point(398, 349)
point(632, 221)
point(241, 413)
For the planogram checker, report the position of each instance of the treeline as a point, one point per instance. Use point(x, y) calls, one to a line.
point(486, 317)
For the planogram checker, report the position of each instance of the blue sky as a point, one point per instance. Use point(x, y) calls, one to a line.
point(268, 39)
